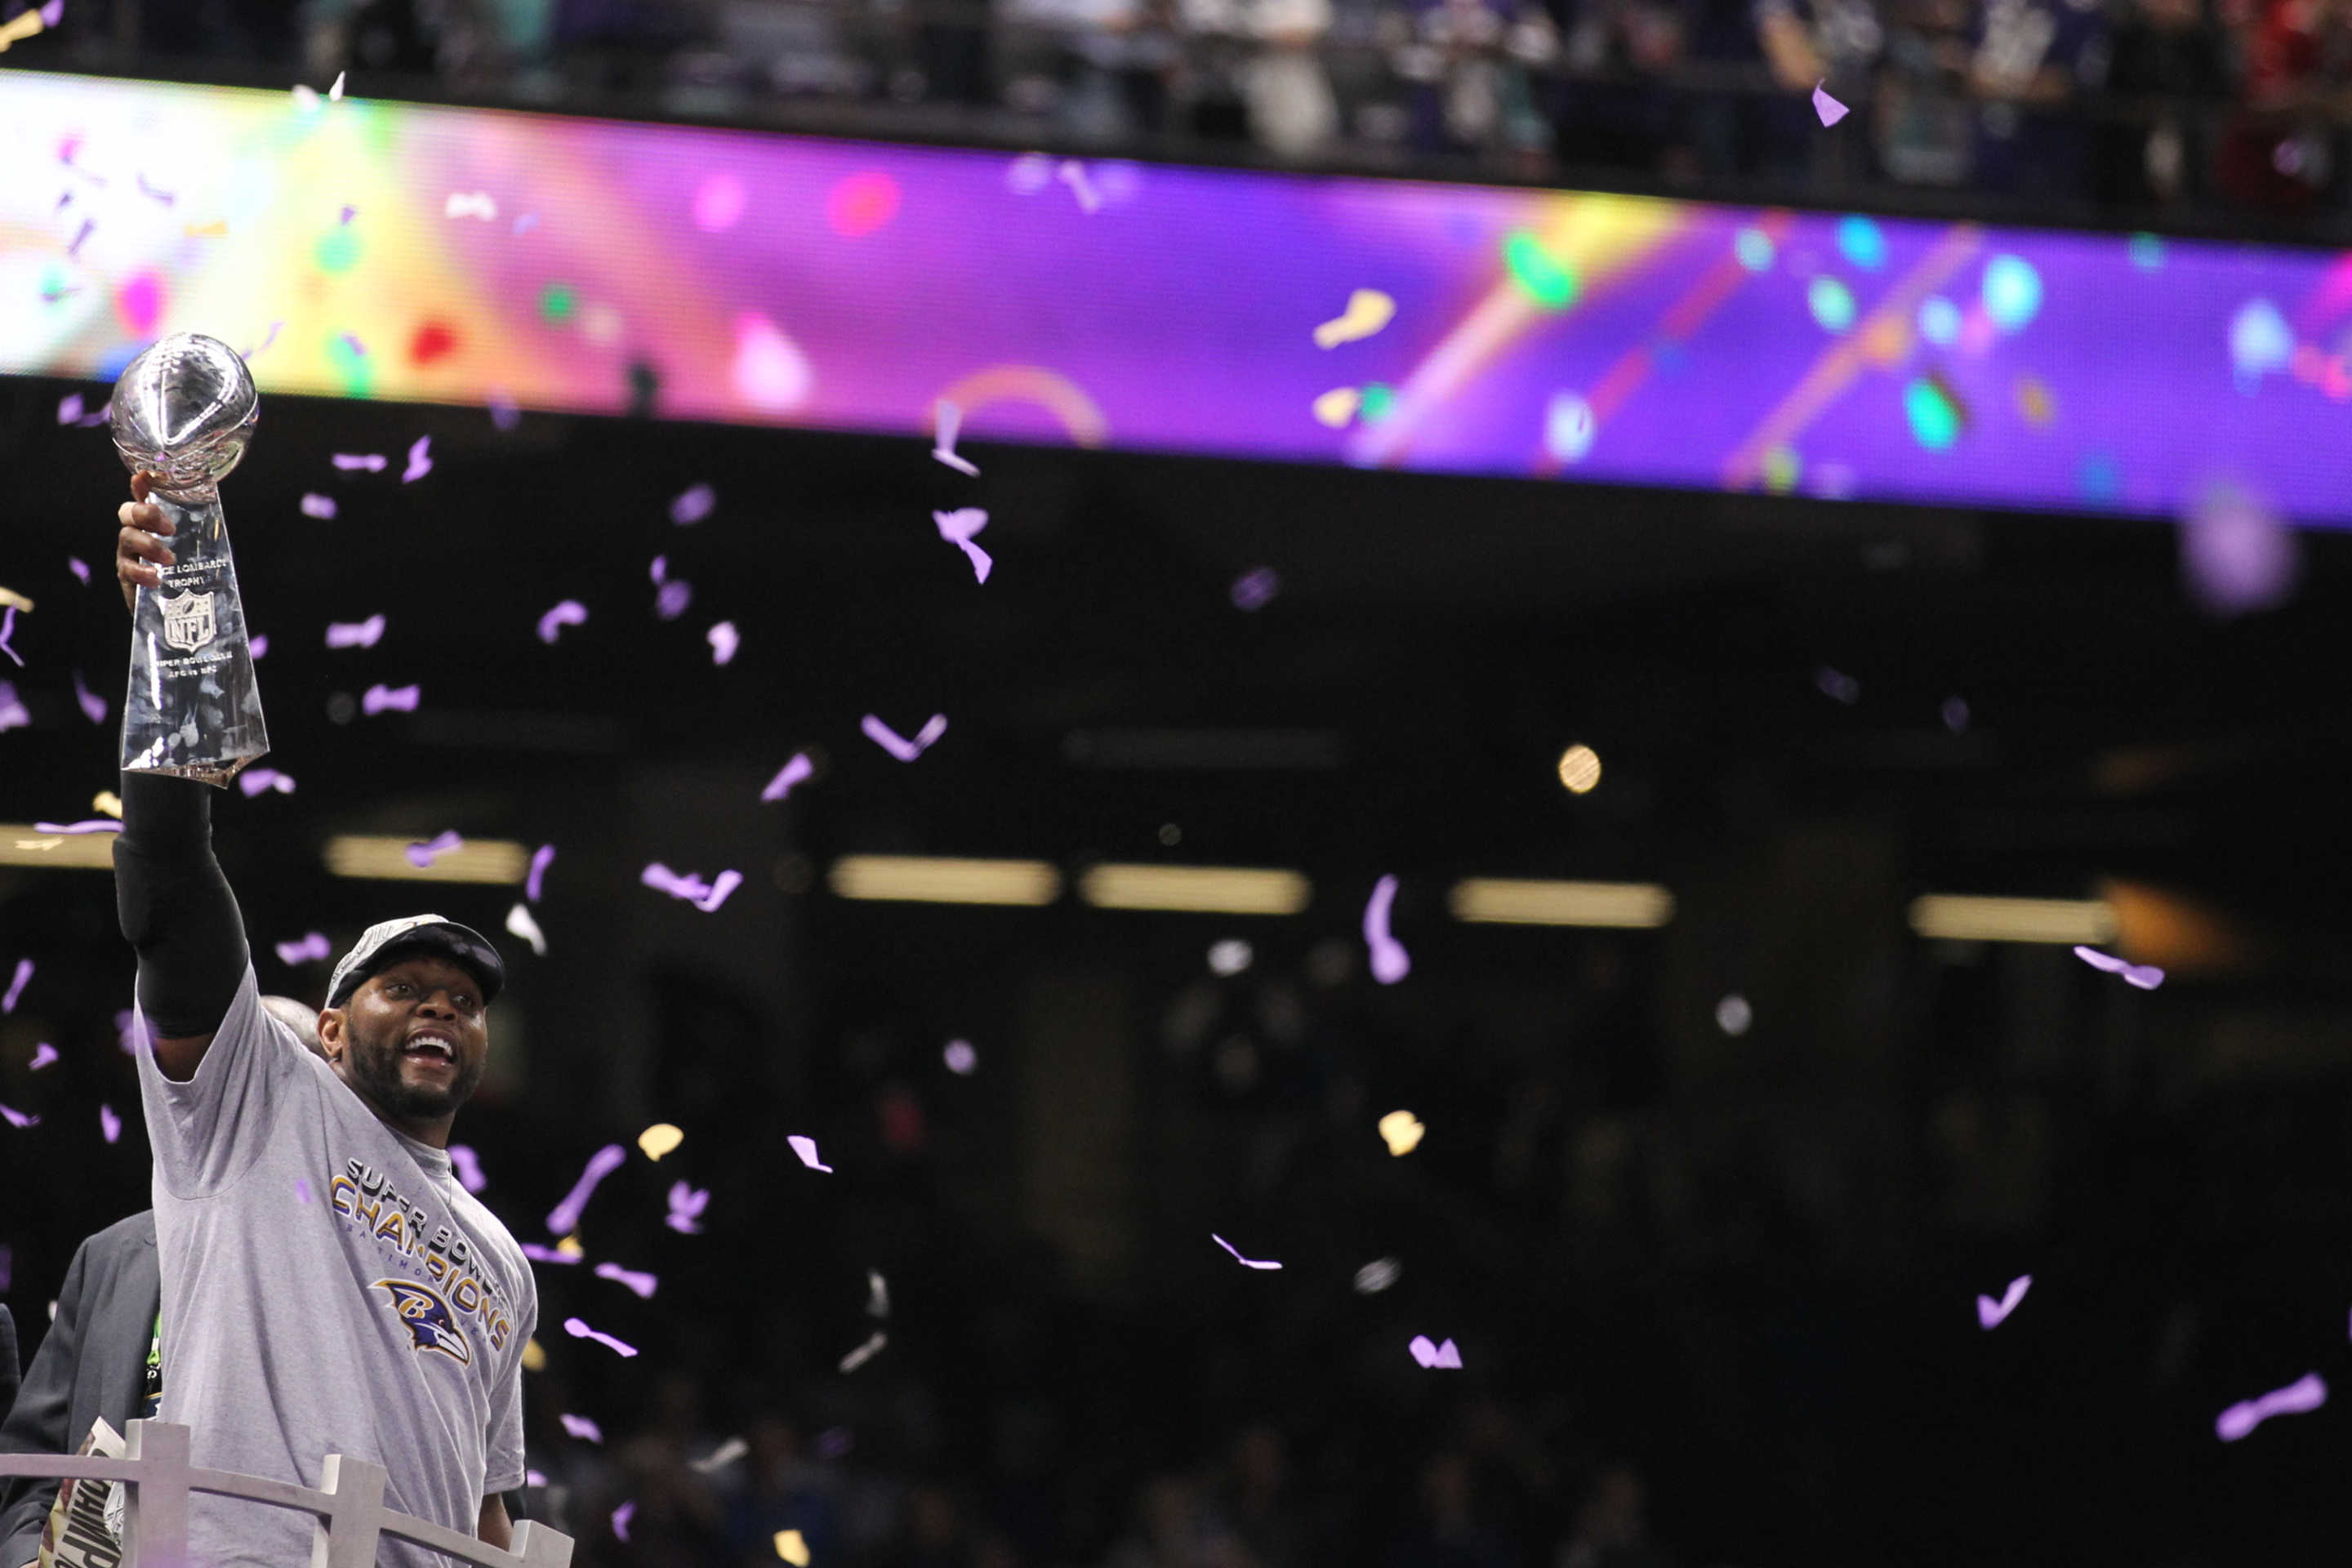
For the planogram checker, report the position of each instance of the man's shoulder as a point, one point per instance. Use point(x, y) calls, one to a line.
point(124, 1235)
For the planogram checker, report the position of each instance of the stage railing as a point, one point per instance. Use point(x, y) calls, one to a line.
point(349, 1508)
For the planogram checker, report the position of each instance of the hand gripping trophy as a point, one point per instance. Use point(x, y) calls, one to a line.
point(183, 411)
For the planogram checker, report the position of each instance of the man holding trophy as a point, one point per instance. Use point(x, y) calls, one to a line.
point(329, 1286)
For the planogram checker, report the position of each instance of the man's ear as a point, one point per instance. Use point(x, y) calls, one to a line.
point(331, 1033)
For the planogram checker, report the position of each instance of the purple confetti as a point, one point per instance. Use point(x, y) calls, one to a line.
point(565, 1217)
point(1390, 962)
point(2306, 1394)
point(317, 506)
point(539, 1254)
point(660, 570)
point(806, 1149)
point(505, 411)
point(261, 643)
point(422, 854)
point(76, 830)
point(621, 1517)
point(258, 781)
point(1244, 1262)
point(1073, 174)
point(1254, 590)
point(43, 1054)
point(958, 527)
point(541, 859)
point(797, 771)
point(645, 1285)
point(8, 630)
point(17, 985)
point(377, 698)
point(309, 949)
point(93, 705)
point(533, 1478)
point(303, 1189)
point(268, 338)
point(2236, 556)
point(469, 1167)
point(356, 634)
point(686, 1206)
point(13, 713)
point(109, 1123)
point(420, 460)
point(2144, 977)
point(79, 568)
point(69, 409)
point(673, 599)
point(1991, 1313)
point(582, 1427)
point(53, 13)
point(1844, 688)
point(1828, 108)
point(1427, 1355)
point(17, 1119)
point(346, 216)
point(358, 351)
point(126, 1031)
point(723, 642)
point(147, 190)
point(906, 750)
point(580, 1331)
point(950, 423)
point(373, 462)
point(693, 506)
point(704, 895)
point(571, 613)
point(87, 226)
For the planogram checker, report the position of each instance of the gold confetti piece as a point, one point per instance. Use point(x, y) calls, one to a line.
point(215, 229)
point(39, 843)
point(14, 600)
point(107, 803)
point(535, 1358)
point(1368, 312)
point(570, 1245)
point(1337, 406)
point(20, 28)
point(1402, 1131)
point(659, 1140)
point(791, 1548)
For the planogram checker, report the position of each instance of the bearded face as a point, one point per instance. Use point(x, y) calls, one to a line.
point(413, 1039)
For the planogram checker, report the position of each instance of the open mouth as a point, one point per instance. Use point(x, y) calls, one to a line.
point(432, 1051)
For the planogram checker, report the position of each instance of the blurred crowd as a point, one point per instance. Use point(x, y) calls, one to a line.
point(2069, 107)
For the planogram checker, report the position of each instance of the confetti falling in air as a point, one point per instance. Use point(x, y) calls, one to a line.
point(420, 460)
point(1368, 312)
point(110, 1126)
point(93, 705)
point(580, 1426)
point(2304, 1395)
point(422, 854)
point(791, 1548)
point(1427, 1355)
point(960, 1058)
point(373, 462)
point(43, 1054)
point(541, 859)
point(539, 1254)
point(686, 1206)
point(564, 1216)
point(906, 750)
point(470, 203)
point(29, 23)
point(1337, 406)
point(1389, 962)
point(380, 698)
point(261, 645)
point(877, 1295)
point(1828, 108)
point(469, 1166)
point(958, 527)
point(1991, 1313)
point(75, 830)
point(805, 1147)
point(872, 1347)
point(721, 1457)
point(723, 642)
point(621, 1517)
point(70, 408)
point(317, 506)
point(8, 630)
point(309, 949)
point(1402, 1130)
point(1834, 684)
point(2144, 977)
point(671, 601)
point(569, 613)
point(645, 1285)
point(1253, 590)
point(704, 895)
point(271, 336)
point(692, 506)
point(335, 93)
point(259, 781)
point(1244, 1262)
point(2236, 555)
point(580, 1331)
point(17, 985)
point(15, 1117)
point(799, 770)
point(505, 411)
point(520, 923)
point(356, 634)
point(947, 424)
point(78, 567)
point(661, 1138)
point(1377, 1276)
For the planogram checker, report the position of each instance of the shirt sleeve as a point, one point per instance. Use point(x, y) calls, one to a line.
point(208, 1131)
point(503, 1461)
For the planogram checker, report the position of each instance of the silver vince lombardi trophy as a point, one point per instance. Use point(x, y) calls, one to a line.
point(183, 411)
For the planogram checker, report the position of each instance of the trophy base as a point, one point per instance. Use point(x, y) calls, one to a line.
point(219, 778)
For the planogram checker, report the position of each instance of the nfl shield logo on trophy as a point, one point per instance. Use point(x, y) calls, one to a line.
point(188, 621)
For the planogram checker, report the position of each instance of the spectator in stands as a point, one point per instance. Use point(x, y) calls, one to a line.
point(1810, 43)
point(1468, 61)
point(2276, 154)
point(1173, 1529)
point(2030, 63)
point(1926, 124)
point(1453, 1530)
point(2172, 52)
point(1254, 1500)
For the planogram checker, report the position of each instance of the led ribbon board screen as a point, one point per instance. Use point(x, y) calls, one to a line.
point(395, 251)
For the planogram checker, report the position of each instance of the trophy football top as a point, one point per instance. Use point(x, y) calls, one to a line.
point(185, 409)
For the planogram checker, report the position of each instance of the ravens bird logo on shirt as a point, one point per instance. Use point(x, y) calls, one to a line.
point(430, 1323)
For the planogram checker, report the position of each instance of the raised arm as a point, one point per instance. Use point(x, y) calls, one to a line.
point(175, 906)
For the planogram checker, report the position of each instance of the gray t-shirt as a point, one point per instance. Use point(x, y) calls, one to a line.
point(329, 1287)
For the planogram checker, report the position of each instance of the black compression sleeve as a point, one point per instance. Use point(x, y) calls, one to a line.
point(175, 907)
